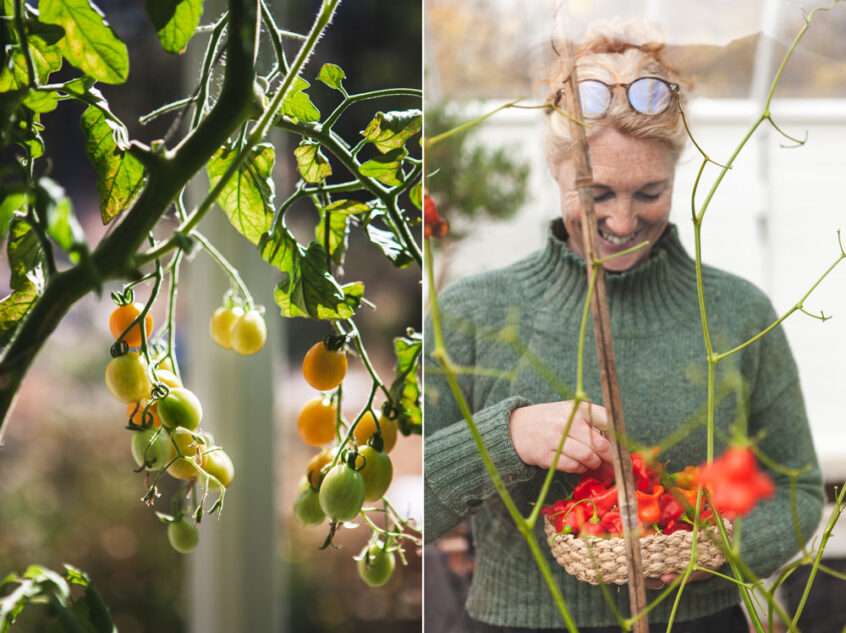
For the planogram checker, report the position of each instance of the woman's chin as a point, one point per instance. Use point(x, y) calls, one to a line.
point(622, 263)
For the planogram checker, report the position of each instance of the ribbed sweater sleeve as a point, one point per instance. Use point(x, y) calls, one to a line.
point(778, 412)
point(456, 482)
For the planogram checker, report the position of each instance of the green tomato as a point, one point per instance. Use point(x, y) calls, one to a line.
point(221, 324)
point(151, 453)
point(126, 378)
point(377, 472)
point(342, 493)
point(249, 333)
point(219, 465)
point(189, 445)
point(375, 565)
point(307, 506)
point(180, 407)
point(183, 536)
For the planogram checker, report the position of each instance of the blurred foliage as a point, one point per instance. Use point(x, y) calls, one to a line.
point(470, 181)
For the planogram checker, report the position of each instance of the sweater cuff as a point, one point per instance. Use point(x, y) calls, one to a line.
point(455, 472)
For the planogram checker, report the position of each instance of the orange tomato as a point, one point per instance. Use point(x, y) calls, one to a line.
point(324, 369)
point(316, 422)
point(366, 427)
point(135, 411)
point(122, 316)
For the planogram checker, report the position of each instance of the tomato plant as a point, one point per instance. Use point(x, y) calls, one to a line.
point(368, 183)
point(376, 564)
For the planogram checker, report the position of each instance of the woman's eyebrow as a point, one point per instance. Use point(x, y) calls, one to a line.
point(654, 184)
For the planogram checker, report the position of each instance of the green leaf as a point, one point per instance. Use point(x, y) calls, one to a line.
point(390, 130)
point(175, 21)
point(390, 246)
point(26, 257)
point(120, 176)
point(298, 105)
point(384, 167)
point(339, 230)
point(8, 205)
point(89, 43)
point(405, 390)
point(15, 307)
point(62, 225)
point(76, 576)
point(415, 194)
point(247, 197)
point(353, 294)
point(333, 76)
point(349, 207)
point(311, 163)
point(46, 59)
point(307, 288)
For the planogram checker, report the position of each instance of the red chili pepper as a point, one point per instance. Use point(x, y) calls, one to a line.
point(604, 474)
point(587, 487)
point(612, 523)
point(648, 509)
point(605, 501)
point(644, 479)
point(734, 483)
point(671, 509)
point(433, 224)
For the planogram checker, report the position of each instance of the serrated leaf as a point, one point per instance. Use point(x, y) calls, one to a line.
point(405, 390)
point(390, 130)
point(26, 257)
point(298, 105)
point(349, 207)
point(339, 230)
point(120, 176)
point(46, 59)
point(76, 576)
point(89, 42)
point(311, 163)
point(175, 21)
point(15, 307)
point(247, 199)
point(390, 246)
point(333, 76)
point(307, 288)
point(384, 167)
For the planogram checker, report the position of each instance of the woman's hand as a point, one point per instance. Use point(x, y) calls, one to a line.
point(536, 431)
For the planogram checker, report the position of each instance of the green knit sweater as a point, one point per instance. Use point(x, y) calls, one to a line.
point(661, 366)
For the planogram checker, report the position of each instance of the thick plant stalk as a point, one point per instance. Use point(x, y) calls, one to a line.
point(167, 174)
point(605, 354)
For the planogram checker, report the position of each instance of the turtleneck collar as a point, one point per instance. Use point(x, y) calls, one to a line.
point(660, 290)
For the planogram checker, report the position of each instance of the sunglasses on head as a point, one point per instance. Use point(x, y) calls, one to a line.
point(646, 95)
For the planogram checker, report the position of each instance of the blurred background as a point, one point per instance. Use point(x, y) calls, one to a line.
point(68, 492)
point(774, 220)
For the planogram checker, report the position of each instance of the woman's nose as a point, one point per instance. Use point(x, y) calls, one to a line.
point(621, 220)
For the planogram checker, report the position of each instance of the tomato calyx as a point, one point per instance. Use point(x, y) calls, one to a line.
point(336, 342)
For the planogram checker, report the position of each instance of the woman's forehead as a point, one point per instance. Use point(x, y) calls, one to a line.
point(613, 68)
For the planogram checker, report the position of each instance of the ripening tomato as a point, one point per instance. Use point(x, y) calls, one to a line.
point(219, 465)
point(375, 564)
point(152, 449)
point(366, 427)
point(342, 493)
point(180, 407)
point(324, 369)
point(314, 471)
point(316, 422)
point(220, 326)
point(126, 377)
point(307, 506)
point(249, 333)
point(135, 411)
point(377, 472)
point(189, 445)
point(167, 377)
point(183, 536)
point(123, 316)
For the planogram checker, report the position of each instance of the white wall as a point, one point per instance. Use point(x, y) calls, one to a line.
point(773, 221)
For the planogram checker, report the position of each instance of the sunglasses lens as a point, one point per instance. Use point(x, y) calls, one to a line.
point(595, 98)
point(649, 96)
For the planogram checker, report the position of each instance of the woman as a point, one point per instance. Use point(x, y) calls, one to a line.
point(635, 133)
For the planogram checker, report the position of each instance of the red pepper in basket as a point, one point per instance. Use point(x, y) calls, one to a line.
point(586, 488)
point(648, 508)
point(734, 482)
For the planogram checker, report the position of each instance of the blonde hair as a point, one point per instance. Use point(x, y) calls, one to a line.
point(614, 52)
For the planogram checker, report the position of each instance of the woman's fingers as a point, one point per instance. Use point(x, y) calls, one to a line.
point(575, 452)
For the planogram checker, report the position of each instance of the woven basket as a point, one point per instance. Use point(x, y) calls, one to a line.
point(593, 559)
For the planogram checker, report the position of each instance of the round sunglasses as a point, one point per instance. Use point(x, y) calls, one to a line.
point(646, 95)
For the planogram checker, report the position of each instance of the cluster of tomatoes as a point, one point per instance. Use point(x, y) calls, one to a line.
point(340, 479)
point(164, 416)
point(665, 501)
